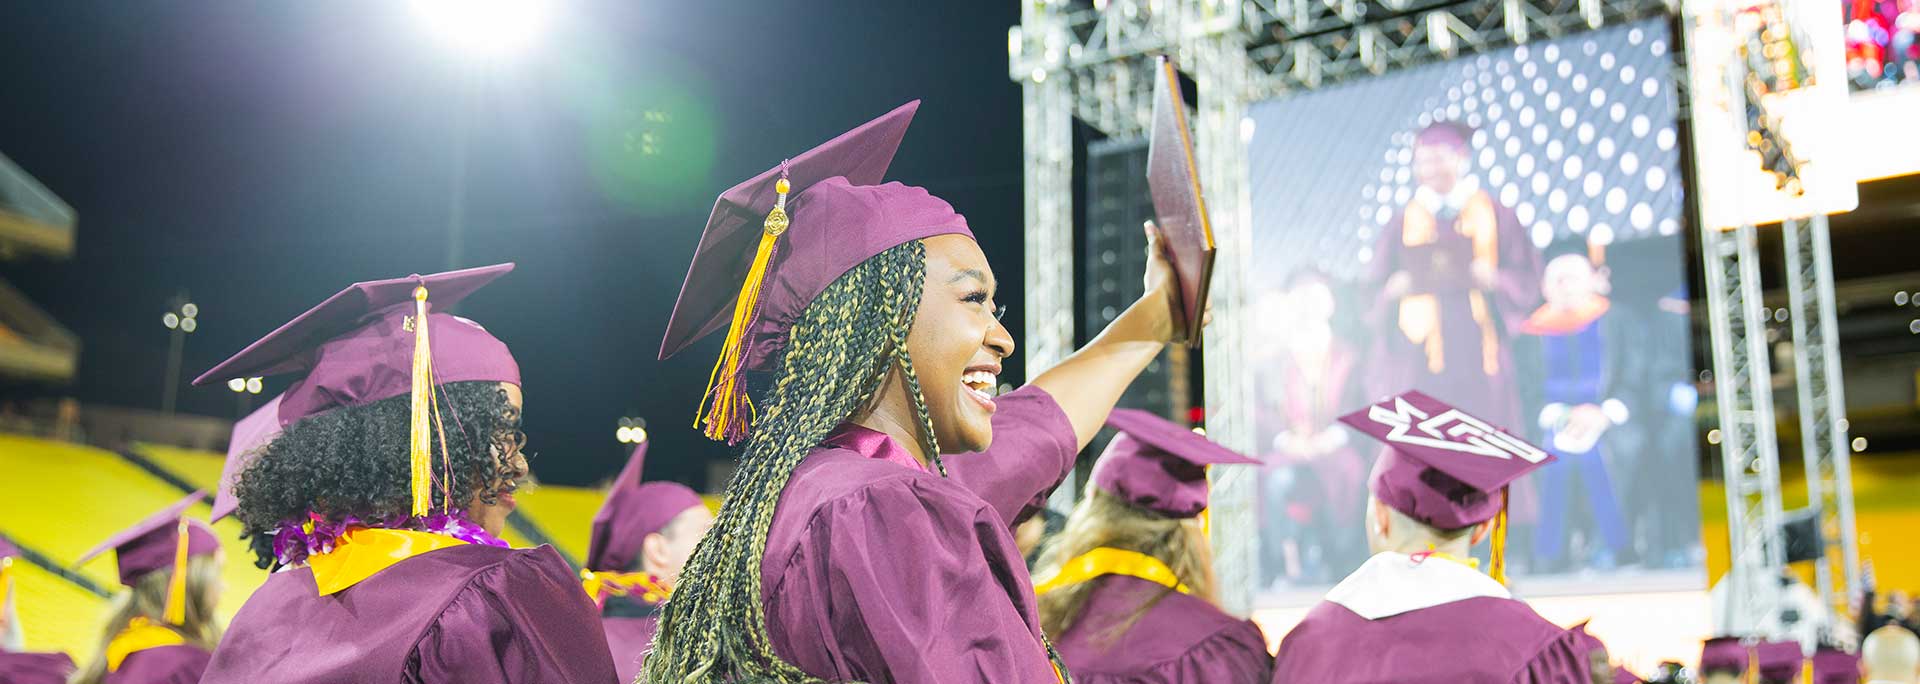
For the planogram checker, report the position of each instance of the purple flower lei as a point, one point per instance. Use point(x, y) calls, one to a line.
point(293, 541)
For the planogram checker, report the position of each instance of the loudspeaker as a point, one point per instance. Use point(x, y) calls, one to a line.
point(1800, 531)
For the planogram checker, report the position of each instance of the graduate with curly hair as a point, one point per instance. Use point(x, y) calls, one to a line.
point(380, 502)
point(859, 540)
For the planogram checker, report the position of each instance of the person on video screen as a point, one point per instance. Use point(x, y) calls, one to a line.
point(1314, 485)
point(1579, 343)
point(1456, 273)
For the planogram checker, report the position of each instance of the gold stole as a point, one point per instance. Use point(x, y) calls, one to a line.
point(1420, 313)
point(363, 551)
point(1111, 561)
point(140, 634)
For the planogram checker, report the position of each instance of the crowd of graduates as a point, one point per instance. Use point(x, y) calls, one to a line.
point(869, 532)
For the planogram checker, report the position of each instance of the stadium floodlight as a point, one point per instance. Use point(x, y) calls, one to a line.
point(487, 28)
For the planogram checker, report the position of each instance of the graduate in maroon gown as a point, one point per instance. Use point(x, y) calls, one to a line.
point(379, 503)
point(1420, 607)
point(642, 537)
point(1780, 662)
point(1834, 666)
point(861, 315)
point(162, 629)
point(1128, 587)
point(1724, 660)
point(17, 665)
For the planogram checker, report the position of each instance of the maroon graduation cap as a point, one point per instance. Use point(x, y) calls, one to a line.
point(377, 340)
point(1834, 666)
point(777, 240)
point(1155, 464)
point(633, 510)
point(164, 540)
point(1445, 467)
point(249, 434)
point(1779, 660)
point(1726, 654)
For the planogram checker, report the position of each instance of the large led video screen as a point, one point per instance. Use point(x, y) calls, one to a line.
point(1503, 232)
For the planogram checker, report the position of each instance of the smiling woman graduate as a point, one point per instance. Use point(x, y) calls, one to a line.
point(380, 503)
point(849, 549)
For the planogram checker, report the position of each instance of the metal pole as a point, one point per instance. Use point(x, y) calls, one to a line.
point(175, 348)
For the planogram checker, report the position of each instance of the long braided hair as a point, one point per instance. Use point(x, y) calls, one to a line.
point(847, 341)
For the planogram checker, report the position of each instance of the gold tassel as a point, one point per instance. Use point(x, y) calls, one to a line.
point(421, 445)
point(176, 610)
point(725, 411)
point(1497, 565)
point(6, 580)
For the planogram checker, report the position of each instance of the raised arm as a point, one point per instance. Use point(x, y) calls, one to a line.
point(1089, 383)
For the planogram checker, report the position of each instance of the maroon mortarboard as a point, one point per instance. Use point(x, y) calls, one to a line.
point(1834, 666)
point(779, 239)
point(633, 510)
point(1622, 675)
point(1724, 654)
point(249, 434)
point(1779, 661)
point(1179, 208)
point(1155, 464)
point(367, 343)
point(155, 543)
point(1445, 133)
point(7, 549)
point(357, 347)
point(1443, 466)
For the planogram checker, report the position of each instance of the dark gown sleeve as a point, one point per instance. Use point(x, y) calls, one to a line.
point(1566, 659)
point(1033, 450)
point(163, 665)
point(523, 620)
point(907, 582)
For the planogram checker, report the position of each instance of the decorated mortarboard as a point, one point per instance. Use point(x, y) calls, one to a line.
point(163, 540)
point(249, 434)
point(1445, 467)
point(777, 240)
point(1779, 661)
point(1179, 208)
point(1724, 654)
point(1155, 464)
point(1834, 666)
point(633, 510)
point(367, 343)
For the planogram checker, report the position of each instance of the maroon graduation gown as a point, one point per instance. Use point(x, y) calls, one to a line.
point(177, 664)
point(1180, 640)
point(473, 614)
point(883, 573)
point(34, 668)
point(629, 623)
point(1468, 632)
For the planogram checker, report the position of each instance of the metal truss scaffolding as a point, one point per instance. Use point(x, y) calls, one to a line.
point(1090, 61)
point(1822, 407)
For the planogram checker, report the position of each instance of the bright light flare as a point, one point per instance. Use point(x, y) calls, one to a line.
point(491, 28)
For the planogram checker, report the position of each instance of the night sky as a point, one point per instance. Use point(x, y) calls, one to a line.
point(261, 156)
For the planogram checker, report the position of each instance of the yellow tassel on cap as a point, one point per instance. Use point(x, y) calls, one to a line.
point(176, 610)
point(420, 450)
point(1497, 563)
point(726, 412)
point(6, 580)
